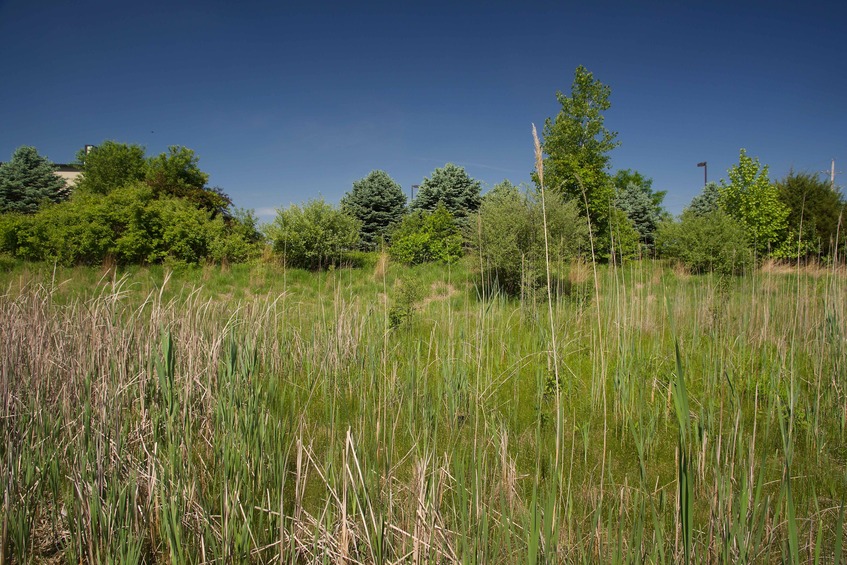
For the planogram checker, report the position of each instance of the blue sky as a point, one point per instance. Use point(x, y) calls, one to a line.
point(287, 101)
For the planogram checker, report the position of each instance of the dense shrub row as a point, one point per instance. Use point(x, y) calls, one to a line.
point(135, 209)
point(130, 226)
point(125, 208)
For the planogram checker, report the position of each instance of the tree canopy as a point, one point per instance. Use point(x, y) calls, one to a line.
point(814, 210)
point(577, 146)
point(177, 173)
point(636, 198)
point(376, 201)
point(754, 201)
point(452, 187)
point(707, 201)
point(111, 165)
point(27, 180)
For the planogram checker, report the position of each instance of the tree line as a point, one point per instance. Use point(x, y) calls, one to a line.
point(140, 209)
point(126, 207)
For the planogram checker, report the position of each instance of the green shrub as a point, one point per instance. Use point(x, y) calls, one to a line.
point(314, 236)
point(7, 262)
point(410, 292)
point(507, 234)
point(707, 242)
point(130, 225)
point(426, 236)
point(622, 240)
point(76, 232)
point(235, 239)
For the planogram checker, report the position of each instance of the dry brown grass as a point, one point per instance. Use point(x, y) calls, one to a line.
point(438, 292)
point(381, 266)
point(579, 272)
point(812, 268)
point(680, 271)
point(339, 415)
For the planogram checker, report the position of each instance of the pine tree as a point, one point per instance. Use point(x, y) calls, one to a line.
point(376, 201)
point(707, 201)
point(452, 187)
point(642, 205)
point(28, 180)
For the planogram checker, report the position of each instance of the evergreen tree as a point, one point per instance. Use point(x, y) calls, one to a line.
point(706, 202)
point(451, 186)
point(636, 198)
point(376, 201)
point(28, 180)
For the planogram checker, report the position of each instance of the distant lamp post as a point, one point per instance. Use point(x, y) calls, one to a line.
point(705, 172)
point(414, 188)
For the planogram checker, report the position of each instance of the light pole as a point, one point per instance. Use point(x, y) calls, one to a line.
point(705, 172)
point(414, 188)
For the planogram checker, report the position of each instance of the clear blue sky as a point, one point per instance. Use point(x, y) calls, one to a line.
point(284, 102)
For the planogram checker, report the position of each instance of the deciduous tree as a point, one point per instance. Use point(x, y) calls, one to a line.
point(754, 201)
point(111, 165)
point(814, 210)
point(577, 145)
point(177, 173)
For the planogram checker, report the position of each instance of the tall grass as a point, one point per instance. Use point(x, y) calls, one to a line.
point(262, 415)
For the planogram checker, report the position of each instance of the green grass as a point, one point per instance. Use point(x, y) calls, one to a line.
point(254, 414)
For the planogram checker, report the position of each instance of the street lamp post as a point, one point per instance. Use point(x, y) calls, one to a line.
point(705, 172)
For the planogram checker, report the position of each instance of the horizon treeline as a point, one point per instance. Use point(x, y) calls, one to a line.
point(130, 208)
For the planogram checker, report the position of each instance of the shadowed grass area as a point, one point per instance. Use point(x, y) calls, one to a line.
point(257, 414)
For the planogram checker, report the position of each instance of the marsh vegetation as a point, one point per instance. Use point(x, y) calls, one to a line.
point(258, 414)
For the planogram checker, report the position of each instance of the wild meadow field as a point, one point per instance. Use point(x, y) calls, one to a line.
point(390, 414)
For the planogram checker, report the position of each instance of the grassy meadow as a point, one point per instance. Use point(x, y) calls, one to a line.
point(409, 415)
